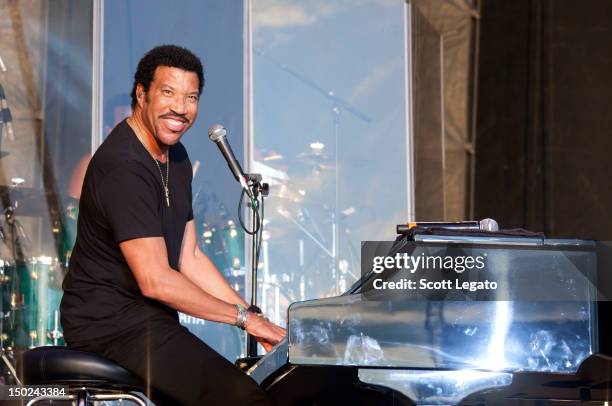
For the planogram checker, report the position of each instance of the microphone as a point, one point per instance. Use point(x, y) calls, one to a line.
point(489, 225)
point(217, 133)
point(483, 225)
point(5, 115)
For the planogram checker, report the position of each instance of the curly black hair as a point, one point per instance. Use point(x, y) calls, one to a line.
point(165, 55)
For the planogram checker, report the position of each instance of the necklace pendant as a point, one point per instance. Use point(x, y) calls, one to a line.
point(167, 198)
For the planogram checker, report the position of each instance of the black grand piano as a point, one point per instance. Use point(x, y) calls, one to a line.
point(543, 336)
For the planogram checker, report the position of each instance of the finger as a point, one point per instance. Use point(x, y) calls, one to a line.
point(265, 343)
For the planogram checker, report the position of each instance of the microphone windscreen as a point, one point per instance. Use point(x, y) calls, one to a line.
point(216, 132)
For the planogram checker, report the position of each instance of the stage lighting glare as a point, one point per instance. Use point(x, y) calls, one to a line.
point(317, 147)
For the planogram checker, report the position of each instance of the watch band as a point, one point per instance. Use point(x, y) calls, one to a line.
point(242, 316)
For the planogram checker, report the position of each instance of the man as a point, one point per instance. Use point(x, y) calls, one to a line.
point(135, 231)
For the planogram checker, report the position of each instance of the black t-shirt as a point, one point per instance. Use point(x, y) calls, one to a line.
point(122, 199)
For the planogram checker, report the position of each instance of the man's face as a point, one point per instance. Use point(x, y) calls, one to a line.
point(170, 106)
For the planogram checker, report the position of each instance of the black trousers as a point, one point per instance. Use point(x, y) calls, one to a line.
point(178, 367)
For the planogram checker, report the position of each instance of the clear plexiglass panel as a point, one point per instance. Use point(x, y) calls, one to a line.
point(330, 136)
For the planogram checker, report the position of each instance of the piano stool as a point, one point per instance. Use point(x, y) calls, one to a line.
point(90, 377)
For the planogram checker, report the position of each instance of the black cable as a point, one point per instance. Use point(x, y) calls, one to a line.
point(260, 238)
point(255, 213)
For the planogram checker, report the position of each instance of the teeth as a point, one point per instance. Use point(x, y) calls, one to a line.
point(175, 122)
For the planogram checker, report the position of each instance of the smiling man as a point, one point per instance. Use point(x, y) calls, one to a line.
point(136, 260)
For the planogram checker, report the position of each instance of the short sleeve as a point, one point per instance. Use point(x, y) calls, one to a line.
point(130, 198)
point(190, 215)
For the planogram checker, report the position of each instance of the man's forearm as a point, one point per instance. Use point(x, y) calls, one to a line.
point(180, 293)
point(202, 272)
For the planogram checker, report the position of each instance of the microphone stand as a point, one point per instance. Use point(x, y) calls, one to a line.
point(258, 189)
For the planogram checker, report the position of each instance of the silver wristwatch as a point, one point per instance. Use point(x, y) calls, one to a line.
point(242, 316)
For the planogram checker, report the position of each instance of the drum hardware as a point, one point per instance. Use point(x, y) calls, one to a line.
point(33, 336)
point(207, 234)
point(225, 248)
point(233, 242)
point(9, 365)
point(11, 299)
point(56, 334)
point(42, 292)
point(16, 301)
point(6, 119)
point(18, 238)
point(30, 287)
point(27, 201)
point(30, 305)
point(8, 302)
point(236, 263)
point(27, 285)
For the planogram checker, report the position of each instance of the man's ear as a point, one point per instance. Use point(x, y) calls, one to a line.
point(140, 94)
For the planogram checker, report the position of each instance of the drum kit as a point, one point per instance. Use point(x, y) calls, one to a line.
point(224, 246)
point(30, 286)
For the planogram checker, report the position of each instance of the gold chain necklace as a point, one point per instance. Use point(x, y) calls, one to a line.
point(164, 184)
point(167, 180)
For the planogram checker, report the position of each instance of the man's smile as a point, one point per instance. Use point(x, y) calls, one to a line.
point(174, 123)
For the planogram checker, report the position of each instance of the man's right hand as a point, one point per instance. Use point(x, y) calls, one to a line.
point(266, 333)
